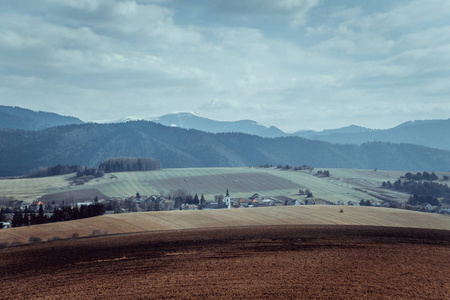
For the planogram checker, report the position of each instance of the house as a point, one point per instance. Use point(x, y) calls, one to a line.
point(5, 225)
point(166, 204)
point(255, 203)
point(285, 200)
point(266, 202)
point(427, 207)
point(243, 202)
point(445, 209)
point(35, 205)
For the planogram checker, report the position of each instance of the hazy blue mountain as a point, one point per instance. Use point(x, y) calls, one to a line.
point(192, 121)
point(20, 118)
point(430, 133)
point(90, 144)
point(189, 120)
point(312, 134)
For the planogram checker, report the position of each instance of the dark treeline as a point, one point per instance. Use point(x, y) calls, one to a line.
point(418, 200)
point(121, 164)
point(66, 213)
point(421, 176)
point(422, 192)
point(126, 164)
point(295, 168)
point(325, 173)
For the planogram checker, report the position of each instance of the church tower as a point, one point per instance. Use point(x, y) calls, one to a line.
point(227, 199)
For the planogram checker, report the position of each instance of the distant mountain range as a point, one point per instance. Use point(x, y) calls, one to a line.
point(13, 117)
point(90, 144)
point(33, 139)
point(429, 133)
point(190, 120)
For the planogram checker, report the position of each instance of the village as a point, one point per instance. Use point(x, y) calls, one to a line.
point(18, 213)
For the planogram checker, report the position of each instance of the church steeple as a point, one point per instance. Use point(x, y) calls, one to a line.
point(227, 199)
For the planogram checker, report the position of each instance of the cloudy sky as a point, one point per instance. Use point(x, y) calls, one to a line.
point(295, 64)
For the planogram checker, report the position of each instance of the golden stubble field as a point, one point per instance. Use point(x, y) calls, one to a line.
point(249, 262)
point(237, 217)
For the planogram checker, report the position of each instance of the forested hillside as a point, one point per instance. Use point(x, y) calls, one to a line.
point(91, 144)
point(21, 118)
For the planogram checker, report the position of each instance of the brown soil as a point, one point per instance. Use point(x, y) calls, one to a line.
point(291, 262)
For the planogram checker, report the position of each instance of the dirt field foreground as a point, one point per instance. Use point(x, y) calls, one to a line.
point(273, 262)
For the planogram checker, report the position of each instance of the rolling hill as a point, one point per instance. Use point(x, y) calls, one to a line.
point(177, 220)
point(20, 118)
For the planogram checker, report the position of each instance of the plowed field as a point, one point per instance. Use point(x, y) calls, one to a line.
point(290, 262)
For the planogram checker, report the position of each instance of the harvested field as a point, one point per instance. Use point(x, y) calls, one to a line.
point(272, 262)
point(242, 182)
point(175, 220)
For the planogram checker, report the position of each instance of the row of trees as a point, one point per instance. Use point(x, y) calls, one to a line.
point(422, 176)
point(421, 192)
point(25, 218)
point(184, 197)
point(121, 164)
point(295, 168)
point(126, 164)
point(419, 200)
point(419, 188)
point(325, 173)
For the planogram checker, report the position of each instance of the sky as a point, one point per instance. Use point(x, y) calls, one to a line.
point(293, 64)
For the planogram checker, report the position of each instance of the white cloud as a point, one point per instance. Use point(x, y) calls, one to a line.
point(351, 65)
point(295, 10)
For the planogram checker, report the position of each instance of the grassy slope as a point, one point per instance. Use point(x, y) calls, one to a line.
point(175, 220)
point(344, 184)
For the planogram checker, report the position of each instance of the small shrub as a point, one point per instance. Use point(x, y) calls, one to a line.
point(16, 243)
point(341, 210)
point(34, 239)
point(75, 235)
point(4, 245)
point(56, 238)
point(96, 232)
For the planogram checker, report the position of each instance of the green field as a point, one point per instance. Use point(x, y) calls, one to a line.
point(343, 184)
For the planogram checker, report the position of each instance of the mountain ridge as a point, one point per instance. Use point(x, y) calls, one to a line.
point(89, 144)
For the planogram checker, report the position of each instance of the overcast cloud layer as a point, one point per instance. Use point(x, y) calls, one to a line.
point(295, 64)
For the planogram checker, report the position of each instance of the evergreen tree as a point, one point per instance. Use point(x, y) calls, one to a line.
point(17, 218)
point(26, 220)
point(2, 215)
point(32, 218)
point(195, 200)
point(41, 218)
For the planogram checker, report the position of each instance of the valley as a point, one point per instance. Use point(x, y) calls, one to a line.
point(343, 184)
